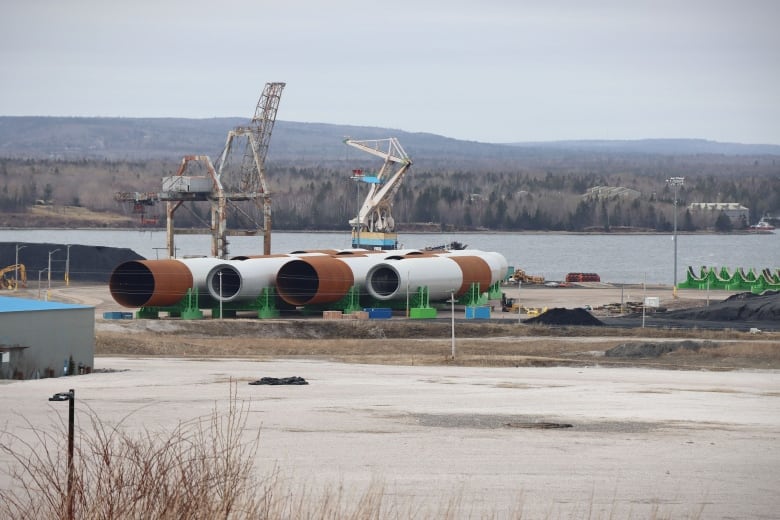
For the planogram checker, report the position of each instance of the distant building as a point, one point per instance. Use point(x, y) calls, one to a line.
point(737, 213)
point(611, 192)
point(45, 339)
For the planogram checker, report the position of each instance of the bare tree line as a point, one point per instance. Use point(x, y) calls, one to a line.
point(540, 197)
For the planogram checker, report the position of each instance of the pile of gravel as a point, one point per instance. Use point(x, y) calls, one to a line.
point(739, 307)
point(87, 263)
point(561, 316)
point(646, 349)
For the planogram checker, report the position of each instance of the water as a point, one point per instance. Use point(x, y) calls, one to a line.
point(628, 258)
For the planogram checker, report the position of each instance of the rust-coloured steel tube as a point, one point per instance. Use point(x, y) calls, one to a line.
point(313, 279)
point(150, 283)
point(475, 270)
point(498, 264)
point(159, 283)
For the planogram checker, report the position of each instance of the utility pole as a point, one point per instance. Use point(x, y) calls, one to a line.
point(16, 267)
point(675, 182)
point(49, 273)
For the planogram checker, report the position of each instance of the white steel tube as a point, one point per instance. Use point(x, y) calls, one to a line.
point(388, 280)
point(244, 280)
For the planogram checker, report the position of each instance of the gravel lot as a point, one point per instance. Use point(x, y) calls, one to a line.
point(642, 442)
point(556, 442)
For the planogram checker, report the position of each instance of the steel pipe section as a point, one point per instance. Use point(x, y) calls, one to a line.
point(313, 280)
point(158, 283)
point(244, 280)
point(496, 261)
point(442, 273)
point(391, 279)
point(316, 279)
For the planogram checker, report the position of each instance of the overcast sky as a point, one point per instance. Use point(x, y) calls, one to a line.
point(491, 71)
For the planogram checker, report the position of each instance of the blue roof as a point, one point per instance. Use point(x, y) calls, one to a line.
point(8, 304)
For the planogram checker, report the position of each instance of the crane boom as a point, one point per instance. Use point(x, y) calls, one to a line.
point(375, 215)
point(249, 182)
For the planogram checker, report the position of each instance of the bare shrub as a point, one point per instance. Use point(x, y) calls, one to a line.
point(203, 469)
point(200, 469)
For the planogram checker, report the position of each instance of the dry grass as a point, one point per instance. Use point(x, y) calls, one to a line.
point(500, 345)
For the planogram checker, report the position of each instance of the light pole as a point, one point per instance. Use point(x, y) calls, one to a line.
point(67, 267)
point(16, 266)
point(219, 273)
point(675, 182)
point(69, 396)
point(452, 314)
point(39, 284)
point(49, 269)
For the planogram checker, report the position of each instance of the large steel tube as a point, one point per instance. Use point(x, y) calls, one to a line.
point(243, 280)
point(200, 268)
point(309, 280)
point(474, 270)
point(150, 283)
point(496, 261)
point(158, 283)
point(391, 279)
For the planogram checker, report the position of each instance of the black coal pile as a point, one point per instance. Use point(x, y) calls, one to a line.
point(561, 316)
point(739, 307)
point(644, 349)
point(85, 263)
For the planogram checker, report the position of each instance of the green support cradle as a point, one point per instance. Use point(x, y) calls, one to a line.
point(419, 304)
point(187, 309)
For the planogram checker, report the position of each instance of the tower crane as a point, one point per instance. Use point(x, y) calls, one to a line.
point(226, 183)
point(248, 182)
point(374, 226)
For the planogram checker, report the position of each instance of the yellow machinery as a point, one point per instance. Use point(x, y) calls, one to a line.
point(8, 276)
point(520, 276)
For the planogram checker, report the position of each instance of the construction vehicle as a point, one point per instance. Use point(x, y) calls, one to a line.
point(532, 312)
point(9, 282)
point(520, 276)
point(374, 226)
point(510, 304)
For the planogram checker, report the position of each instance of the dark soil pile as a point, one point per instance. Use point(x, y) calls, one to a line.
point(654, 350)
point(561, 316)
point(739, 307)
point(87, 263)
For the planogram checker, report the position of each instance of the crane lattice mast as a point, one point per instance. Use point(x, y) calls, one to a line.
point(249, 181)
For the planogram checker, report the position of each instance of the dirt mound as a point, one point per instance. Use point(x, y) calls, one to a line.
point(561, 316)
point(86, 263)
point(739, 307)
point(653, 350)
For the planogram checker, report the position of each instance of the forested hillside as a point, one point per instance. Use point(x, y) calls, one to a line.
point(452, 184)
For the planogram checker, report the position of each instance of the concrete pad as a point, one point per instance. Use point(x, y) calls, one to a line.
point(642, 443)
